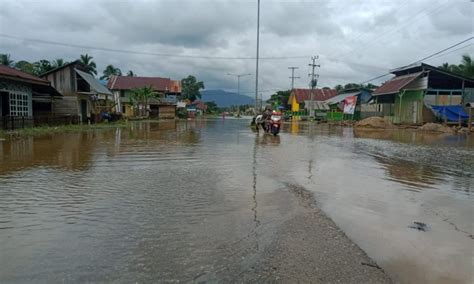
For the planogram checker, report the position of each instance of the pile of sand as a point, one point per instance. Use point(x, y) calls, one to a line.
point(374, 122)
point(436, 127)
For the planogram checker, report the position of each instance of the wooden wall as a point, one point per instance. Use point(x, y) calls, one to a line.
point(167, 112)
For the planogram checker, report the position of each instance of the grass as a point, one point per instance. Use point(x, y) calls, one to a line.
point(42, 130)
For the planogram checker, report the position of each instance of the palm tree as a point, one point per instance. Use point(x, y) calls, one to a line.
point(140, 97)
point(110, 70)
point(131, 74)
point(6, 60)
point(59, 62)
point(467, 67)
point(445, 66)
point(90, 65)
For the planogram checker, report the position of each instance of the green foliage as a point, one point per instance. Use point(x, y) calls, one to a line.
point(131, 74)
point(211, 107)
point(26, 67)
point(140, 97)
point(90, 65)
point(43, 66)
point(340, 89)
point(6, 60)
point(59, 62)
point(190, 88)
point(109, 71)
point(280, 98)
point(466, 68)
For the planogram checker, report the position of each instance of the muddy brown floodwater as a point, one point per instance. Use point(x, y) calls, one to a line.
point(185, 201)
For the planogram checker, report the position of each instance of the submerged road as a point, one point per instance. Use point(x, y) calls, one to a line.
point(212, 201)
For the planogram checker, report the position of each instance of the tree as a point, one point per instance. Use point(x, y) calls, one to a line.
point(90, 65)
point(338, 88)
point(42, 66)
point(467, 67)
point(59, 62)
point(26, 67)
point(6, 60)
point(280, 98)
point(131, 74)
point(190, 88)
point(211, 107)
point(140, 97)
point(109, 71)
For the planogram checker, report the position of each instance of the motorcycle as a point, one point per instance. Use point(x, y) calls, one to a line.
point(275, 123)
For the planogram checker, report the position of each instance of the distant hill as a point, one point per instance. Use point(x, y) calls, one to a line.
point(225, 99)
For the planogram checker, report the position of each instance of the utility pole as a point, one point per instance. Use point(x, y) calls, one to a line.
point(256, 68)
point(313, 84)
point(293, 76)
point(238, 79)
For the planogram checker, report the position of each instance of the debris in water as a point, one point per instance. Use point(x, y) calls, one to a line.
point(419, 226)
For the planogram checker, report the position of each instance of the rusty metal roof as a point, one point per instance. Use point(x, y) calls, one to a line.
point(318, 95)
point(17, 75)
point(157, 83)
point(396, 84)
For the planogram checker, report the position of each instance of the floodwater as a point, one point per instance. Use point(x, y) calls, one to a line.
point(200, 200)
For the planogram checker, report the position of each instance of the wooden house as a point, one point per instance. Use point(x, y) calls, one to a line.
point(83, 94)
point(163, 105)
point(407, 98)
point(299, 96)
point(24, 96)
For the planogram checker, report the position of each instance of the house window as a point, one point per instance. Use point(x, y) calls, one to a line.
point(19, 105)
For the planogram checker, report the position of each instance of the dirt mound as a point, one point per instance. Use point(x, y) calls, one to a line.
point(374, 122)
point(436, 127)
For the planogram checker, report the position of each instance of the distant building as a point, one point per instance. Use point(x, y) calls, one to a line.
point(407, 98)
point(23, 95)
point(162, 106)
point(83, 94)
point(299, 98)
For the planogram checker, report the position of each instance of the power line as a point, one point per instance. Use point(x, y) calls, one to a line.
point(425, 58)
point(41, 41)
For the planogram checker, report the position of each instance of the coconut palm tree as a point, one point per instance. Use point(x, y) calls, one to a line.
point(467, 66)
point(59, 62)
point(6, 60)
point(91, 67)
point(110, 70)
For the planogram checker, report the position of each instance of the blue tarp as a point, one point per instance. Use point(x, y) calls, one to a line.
point(451, 113)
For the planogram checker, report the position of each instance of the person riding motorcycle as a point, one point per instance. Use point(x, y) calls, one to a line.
point(267, 114)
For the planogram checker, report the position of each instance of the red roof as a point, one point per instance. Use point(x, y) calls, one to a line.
point(130, 83)
point(13, 74)
point(396, 84)
point(318, 95)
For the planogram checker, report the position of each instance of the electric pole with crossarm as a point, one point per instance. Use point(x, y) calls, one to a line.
point(293, 76)
point(312, 84)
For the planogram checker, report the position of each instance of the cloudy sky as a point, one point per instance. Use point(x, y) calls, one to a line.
point(355, 40)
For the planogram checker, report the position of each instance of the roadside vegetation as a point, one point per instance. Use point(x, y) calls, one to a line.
point(43, 130)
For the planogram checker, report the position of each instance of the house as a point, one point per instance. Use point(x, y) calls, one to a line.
point(363, 108)
point(24, 96)
point(162, 106)
point(409, 96)
point(83, 94)
point(298, 97)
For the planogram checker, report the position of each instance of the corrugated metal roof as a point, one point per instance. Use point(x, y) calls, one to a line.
point(93, 83)
point(130, 83)
point(396, 84)
point(318, 95)
point(11, 73)
point(340, 98)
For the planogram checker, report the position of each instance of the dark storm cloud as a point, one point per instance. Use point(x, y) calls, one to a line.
point(356, 40)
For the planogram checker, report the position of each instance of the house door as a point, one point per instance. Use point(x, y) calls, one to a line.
point(415, 112)
point(84, 110)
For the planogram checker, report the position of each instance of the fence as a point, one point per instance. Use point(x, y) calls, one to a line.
point(18, 122)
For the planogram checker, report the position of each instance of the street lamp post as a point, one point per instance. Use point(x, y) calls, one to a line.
point(256, 67)
point(238, 79)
